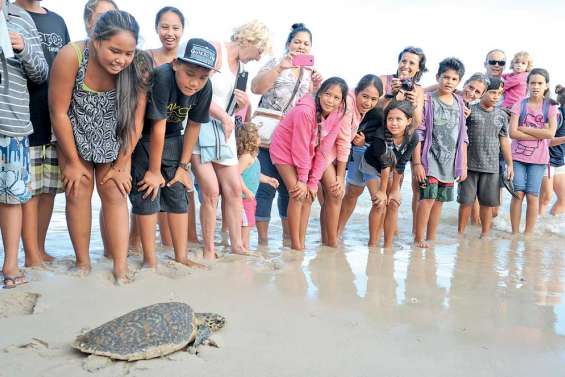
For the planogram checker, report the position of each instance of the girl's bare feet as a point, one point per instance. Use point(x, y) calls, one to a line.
point(422, 244)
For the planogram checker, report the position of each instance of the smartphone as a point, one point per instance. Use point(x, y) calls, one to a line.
point(241, 82)
point(303, 60)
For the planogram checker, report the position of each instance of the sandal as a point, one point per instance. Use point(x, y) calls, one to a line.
point(13, 281)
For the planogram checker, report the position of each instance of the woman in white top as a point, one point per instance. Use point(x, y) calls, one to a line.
point(247, 43)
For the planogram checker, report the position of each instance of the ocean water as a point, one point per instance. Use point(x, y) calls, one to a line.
point(520, 279)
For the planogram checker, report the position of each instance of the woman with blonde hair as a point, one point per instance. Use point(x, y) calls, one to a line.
point(221, 173)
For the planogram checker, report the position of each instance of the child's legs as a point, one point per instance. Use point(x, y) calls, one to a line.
point(265, 195)
point(209, 192)
point(332, 205)
point(164, 229)
point(178, 223)
point(134, 235)
point(466, 197)
point(116, 216)
point(352, 193)
point(376, 214)
point(11, 227)
point(559, 189)
point(433, 221)
point(192, 236)
point(294, 212)
point(304, 217)
point(45, 211)
point(422, 217)
point(546, 192)
point(79, 216)
point(415, 184)
point(390, 223)
point(486, 219)
point(245, 231)
point(535, 174)
point(520, 183)
point(282, 205)
point(30, 232)
point(147, 223)
point(248, 220)
point(230, 183)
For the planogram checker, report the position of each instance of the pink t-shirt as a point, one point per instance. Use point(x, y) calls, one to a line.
point(515, 88)
point(532, 151)
point(295, 141)
point(348, 128)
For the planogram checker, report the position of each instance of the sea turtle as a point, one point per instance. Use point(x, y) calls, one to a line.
point(151, 331)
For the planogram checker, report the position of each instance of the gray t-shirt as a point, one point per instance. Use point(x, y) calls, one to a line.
point(484, 129)
point(441, 157)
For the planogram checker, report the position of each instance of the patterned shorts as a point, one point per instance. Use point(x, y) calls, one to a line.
point(45, 171)
point(15, 180)
point(434, 189)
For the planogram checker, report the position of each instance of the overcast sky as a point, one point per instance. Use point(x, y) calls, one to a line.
point(355, 37)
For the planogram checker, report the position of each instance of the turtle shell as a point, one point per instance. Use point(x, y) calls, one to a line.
point(144, 333)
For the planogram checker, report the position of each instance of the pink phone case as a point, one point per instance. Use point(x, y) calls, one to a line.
point(303, 60)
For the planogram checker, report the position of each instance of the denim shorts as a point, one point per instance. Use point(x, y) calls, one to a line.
point(266, 193)
point(355, 176)
point(172, 199)
point(528, 177)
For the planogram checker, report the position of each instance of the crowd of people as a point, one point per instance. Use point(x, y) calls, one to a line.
point(142, 124)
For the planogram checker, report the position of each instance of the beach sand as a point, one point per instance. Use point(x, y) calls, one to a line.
point(464, 308)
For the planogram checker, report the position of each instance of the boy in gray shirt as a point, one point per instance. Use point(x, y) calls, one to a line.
point(487, 130)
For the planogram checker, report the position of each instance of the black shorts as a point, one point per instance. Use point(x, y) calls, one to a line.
point(172, 199)
point(484, 186)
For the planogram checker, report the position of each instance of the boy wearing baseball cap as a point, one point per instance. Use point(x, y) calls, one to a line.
point(161, 160)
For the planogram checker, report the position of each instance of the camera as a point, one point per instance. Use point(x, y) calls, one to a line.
point(407, 85)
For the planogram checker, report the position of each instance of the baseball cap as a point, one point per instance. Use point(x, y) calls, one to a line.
point(201, 53)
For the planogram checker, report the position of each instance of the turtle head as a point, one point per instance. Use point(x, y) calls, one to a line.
point(214, 321)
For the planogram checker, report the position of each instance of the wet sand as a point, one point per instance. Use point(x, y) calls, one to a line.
point(464, 308)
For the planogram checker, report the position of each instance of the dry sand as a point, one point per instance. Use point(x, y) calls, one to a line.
point(474, 308)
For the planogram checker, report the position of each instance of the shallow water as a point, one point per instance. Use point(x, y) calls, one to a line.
point(501, 292)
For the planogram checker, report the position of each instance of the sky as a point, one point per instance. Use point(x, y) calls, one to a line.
point(355, 37)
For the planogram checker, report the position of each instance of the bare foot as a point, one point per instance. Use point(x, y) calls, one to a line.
point(47, 257)
point(209, 255)
point(81, 270)
point(33, 262)
point(188, 263)
point(124, 278)
point(485, 237)
point(422, 244)
point(149, 266)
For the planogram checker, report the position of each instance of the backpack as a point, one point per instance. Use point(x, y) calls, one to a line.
point(524, 111)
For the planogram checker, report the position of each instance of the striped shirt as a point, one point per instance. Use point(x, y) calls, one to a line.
point(26, 64)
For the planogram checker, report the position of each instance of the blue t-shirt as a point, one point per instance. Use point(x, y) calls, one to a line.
point(557, 153)
point(251, 176)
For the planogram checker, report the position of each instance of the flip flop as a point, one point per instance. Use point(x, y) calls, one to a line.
point(509, 185)
point(13, 281)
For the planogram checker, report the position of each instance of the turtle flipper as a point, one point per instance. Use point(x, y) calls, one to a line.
point(202, 334)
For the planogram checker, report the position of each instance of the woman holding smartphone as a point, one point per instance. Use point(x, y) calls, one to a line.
point(281, 85)
point(247, 43)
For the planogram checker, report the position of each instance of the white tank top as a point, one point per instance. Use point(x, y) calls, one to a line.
point(223, 82)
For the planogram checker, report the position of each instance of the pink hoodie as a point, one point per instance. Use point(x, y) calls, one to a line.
point(348, 128)
point(295, 138)
point(515, 88)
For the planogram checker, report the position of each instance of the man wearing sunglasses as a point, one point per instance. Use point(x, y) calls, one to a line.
point(495, 63)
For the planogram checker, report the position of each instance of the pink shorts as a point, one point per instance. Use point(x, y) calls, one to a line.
point(249, 206)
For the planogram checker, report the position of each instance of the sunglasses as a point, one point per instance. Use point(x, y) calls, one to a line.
point(501, 63)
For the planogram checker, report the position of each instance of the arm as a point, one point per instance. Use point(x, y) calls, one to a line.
point(243, 163)
point(31, 56)
point(344, 136)
point(219, 113)
point(418, 107)
point(557, 141)
point(541, 133)
point(464, 174)
point(517, 134)
point(320, 161)
point(153, 179)
point(507, 154)
point(267, 76)
point(63, 73)
point(300, 143)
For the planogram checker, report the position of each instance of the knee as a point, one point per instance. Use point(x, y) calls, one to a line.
point(210, 197)
point(83, 194)
point(110, 194)
point(232, 190)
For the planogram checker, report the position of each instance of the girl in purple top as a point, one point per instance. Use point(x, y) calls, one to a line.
point(532, 125)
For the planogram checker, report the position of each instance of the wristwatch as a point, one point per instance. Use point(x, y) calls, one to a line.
point(184, 165)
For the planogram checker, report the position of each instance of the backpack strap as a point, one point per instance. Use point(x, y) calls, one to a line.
point(546, 105)
point(523, 111)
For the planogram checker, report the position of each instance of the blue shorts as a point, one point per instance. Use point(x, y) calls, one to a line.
point(528, 177)
point(355, 176)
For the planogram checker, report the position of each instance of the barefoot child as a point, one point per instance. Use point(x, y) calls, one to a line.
point(532, 125)
point(388, 159)
point(487, 129)
point(160, 162)
point(248, 142)
point(443, 146)
point(300, 146)
point(24, 60)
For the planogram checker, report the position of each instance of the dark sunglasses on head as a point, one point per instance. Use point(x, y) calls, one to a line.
point(501, 63)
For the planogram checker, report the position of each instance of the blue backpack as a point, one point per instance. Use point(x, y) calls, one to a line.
point(524, 111)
